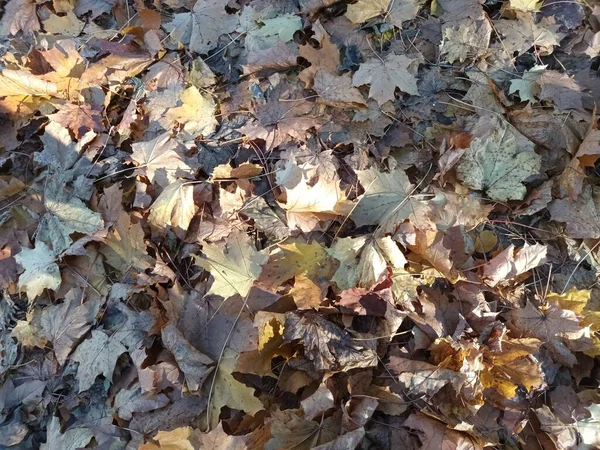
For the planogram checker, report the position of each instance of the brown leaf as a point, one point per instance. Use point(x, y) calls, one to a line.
point(78, 118)
point(563, 90)
point(19, 15)
point(508, 265)
point(437, 436)
point(582, 217)
point(337, 91)
point(195, 365)
point(325, 344)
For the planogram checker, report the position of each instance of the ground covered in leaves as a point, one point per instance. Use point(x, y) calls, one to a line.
point(295, 224)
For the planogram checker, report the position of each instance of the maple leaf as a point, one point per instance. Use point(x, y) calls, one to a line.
point(563, 90)
point(522, 34)
point(236, 269)
point(74, 438)
point(209, 21)
point(66, 214)
point(124, 245)
point(290, 431)
point(337, 90)
point(507, 265)
point(527, 86)
point(499, 163)
point(467, 41)
point(582, 217)
point(173, 208)
point(325, 344)
point(161, 159)
point(386, 201)
point(78, 118)
point(385, 75)
point(526, 5)
point(544, 324)
point(19, 15)
point(197, 112)
point(395, 12)
point(436, 435)
point(326, 58)
point(364, 10)
point(66, 323)
point(227, 391)
point(41, 271)
point(96, 356)
point(363, 262)
point(195, 365)
point(296, 259)
point(177, 439)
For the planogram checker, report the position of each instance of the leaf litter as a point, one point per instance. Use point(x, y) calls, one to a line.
point(299, 224)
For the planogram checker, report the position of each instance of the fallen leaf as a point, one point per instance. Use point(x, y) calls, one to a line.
point(386, 201)
point(499, 164)
point(236, 269)
point(337, 90)
point(73, 438)
point(177, 439)
point(209, 21)
point(563, 90)
point(19, 15)
point(97, 355)
point(41, 271)
point(227, 391)
point(162, 159)
point(65, 324)
point(436, 435)
point(197, 112)
point(195, 365)
point(174, 208)
point(508, 265)
point(326, 345)
point(78, 118)
point(582, 216)
point(384, 76)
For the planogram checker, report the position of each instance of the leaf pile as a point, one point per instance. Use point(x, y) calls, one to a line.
point(299, 224)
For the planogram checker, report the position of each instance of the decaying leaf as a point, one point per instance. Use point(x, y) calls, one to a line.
point(499, 163)
point(385, 75)
point(326, 345)
point(96, 356)
point(41, 271)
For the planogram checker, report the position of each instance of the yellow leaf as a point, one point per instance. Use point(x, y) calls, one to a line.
point(364, 10)
point(526, 5)
point(177, 439)
point(491, 379)
point(306, 293)
point(574, 299)
point(227, 391)
point(197, 113)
